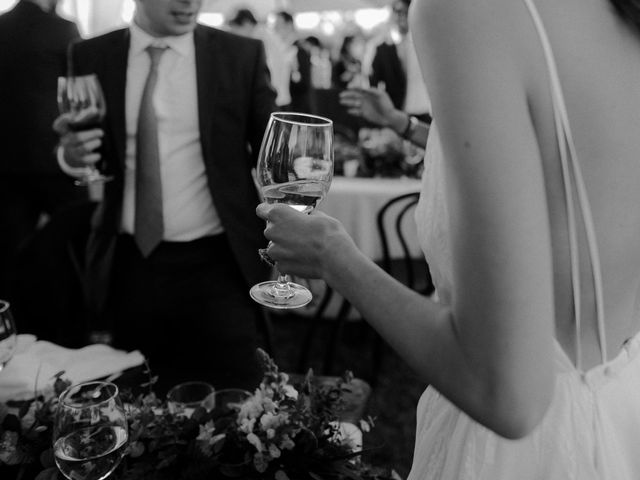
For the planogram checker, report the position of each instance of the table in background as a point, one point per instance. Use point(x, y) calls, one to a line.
point(356, 202)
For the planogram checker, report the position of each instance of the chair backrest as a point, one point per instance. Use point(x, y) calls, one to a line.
point(411, 270)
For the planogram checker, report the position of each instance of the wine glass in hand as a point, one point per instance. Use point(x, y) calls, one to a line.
point(295, 167)
point(81, 97)
point(8, 336)
point(90, 431)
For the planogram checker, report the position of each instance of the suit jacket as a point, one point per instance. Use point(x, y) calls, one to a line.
point(386, 67)
point(33, 44)
point(235, 100)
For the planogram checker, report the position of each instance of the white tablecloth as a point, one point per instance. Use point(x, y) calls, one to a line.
point(356, 202)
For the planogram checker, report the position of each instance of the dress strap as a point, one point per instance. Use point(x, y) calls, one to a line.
point(571, 171)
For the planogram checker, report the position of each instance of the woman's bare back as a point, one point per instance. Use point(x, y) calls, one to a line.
point(598, 61)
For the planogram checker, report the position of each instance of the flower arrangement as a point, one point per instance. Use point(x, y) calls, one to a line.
point(388, 155)
point(280, 432)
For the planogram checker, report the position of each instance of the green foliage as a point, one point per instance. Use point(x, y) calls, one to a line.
point(281, 432)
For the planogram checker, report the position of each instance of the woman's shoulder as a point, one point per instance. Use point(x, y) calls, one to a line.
point(468, 21)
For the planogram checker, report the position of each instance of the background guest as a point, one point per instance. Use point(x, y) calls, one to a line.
point(395, 66)
point(348, 66)
point(33, 42)
point(299, 60)
point(243, 22)
point(174, 243)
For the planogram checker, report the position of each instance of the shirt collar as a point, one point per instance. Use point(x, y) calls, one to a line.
point(140, 40)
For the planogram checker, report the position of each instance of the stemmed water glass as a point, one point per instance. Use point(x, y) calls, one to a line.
point(295, 167)
point(8, 335)
point(81, 97)
point(90, 431)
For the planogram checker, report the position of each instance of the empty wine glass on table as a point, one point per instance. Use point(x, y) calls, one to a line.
point(90, 431)
point(81, 97)
point(295, 167)
point(8, 335)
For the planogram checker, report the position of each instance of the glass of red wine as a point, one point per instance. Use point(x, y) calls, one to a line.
point(81, 97)
point(295, 168)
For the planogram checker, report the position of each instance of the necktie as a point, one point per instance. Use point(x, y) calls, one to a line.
point(149, 225)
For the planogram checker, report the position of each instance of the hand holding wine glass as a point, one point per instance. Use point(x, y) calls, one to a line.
point(80, 98)
point(90, 432)
point(8, 335)
point(295, 167)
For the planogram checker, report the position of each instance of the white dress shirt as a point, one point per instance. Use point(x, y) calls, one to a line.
point(188, 209)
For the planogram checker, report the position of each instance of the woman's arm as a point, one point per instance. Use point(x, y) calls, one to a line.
point(375, 106)
point(490, 351)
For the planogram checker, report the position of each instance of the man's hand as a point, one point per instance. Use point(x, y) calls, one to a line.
point(78, 147)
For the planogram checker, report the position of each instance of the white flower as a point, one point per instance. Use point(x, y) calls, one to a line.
point(364, 426)
point(281, 475)
point(260, 462)
point(253, 439)
point(290, 391)
point(29, 418)
point(252, 407)
point(286, 443)
point(274, 451)
point(269, 405)
point(272, 421)
point(206, 431)
point(246, 425)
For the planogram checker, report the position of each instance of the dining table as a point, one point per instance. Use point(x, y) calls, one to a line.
point(356, 201)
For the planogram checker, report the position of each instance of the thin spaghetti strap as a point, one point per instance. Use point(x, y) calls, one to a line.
point(571, 168)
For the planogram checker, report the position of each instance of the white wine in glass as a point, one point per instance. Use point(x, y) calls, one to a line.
point(81, 97)
point(295, 167)
point(90, 431)
point(8, 335)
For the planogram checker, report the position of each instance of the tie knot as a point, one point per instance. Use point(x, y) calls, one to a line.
point(154, 54)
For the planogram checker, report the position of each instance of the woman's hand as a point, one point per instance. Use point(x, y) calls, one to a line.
point(300, 244)
point(375, 106)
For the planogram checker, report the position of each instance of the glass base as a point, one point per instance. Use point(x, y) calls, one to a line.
point(264, 294)
point(92, 178)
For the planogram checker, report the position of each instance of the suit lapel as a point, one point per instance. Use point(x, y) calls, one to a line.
point(207, 60)
point(115, 76)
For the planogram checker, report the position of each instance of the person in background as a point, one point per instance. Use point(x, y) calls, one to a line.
point(375, 106)
point(174, 243)
point(243, 22)
point(299, 61)
point(395, 68)
point(529, 220)
point(33, 44)
point(347, 69)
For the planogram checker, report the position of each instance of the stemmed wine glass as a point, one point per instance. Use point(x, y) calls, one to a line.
point(90, 431)
point(82, 98)
point(8, 335)
point(295, 167)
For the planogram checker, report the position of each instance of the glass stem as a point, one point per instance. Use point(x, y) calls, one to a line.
point(281, 288)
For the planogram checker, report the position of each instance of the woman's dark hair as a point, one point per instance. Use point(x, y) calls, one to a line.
point(629, 10)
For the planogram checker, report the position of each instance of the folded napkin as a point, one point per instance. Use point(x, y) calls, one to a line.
point(35, 363)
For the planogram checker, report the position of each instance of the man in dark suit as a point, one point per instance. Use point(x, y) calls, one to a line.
point(33, 44)
point(396, 67)
point(173, 249)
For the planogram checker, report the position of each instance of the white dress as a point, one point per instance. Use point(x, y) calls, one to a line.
point(592, 428)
